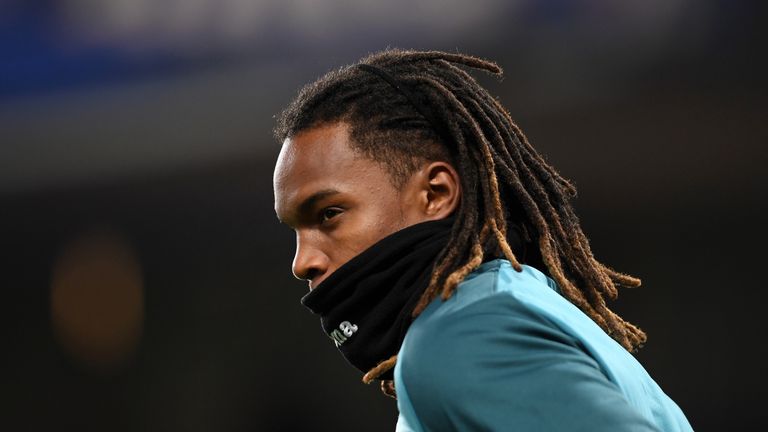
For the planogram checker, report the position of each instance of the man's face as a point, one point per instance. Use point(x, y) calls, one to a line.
point(337, 201)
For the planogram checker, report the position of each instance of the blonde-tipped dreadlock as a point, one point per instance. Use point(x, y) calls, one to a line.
point(502, 176)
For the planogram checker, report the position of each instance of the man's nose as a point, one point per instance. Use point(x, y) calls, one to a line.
point(310, 262)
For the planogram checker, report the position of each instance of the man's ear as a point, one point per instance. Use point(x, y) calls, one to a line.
point(439, 190)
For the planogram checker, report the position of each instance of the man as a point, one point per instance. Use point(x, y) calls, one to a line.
point(444, 257)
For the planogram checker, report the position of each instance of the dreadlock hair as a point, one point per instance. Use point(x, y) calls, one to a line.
point(436, 111)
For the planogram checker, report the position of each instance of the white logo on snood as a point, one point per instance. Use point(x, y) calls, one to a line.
point(341, 334)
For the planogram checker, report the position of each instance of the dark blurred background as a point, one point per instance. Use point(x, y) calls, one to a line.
point(146, 282)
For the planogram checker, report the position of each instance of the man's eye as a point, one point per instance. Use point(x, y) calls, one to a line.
point(329, 213)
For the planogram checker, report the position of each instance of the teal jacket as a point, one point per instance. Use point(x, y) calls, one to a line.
point(508, 353)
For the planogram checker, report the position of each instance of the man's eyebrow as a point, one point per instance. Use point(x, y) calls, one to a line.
point(309, 203)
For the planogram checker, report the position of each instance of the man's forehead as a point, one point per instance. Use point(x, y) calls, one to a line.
point(321, 148)
point(310, 163)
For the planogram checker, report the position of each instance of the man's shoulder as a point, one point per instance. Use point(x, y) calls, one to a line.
point(510, 307)
point(490, 356)
point(495, 309)
point(498, 312)
point(493, 286)
point(513, 330)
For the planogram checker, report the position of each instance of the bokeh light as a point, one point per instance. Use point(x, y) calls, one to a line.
point(97, 300)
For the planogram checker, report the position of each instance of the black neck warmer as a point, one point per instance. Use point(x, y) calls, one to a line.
point(365, 305)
